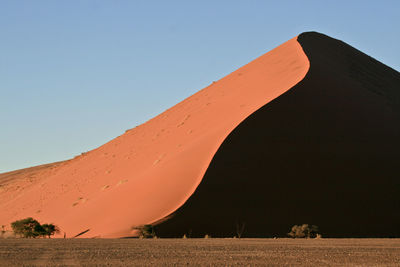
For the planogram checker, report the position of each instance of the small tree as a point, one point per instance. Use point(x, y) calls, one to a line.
point(304, 231)
point(3, 230)
point(146, 231)
point(240, 229)
point(49, 229)
point(28, 227)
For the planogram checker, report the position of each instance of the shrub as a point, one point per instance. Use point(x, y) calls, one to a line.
point(145, 231)
point(240, 229)
point(30, 228)
point(3, 231)
point(49, 229)
point(304, 231)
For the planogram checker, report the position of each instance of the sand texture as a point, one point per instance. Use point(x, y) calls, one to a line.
point(307, 133)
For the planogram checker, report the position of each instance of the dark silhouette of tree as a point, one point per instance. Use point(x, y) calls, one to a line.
point(31, 228)
point(49, 229)
point(145, 231)
point(304, 231)
point(3, 230)
point(240, 229)
point(28, 227)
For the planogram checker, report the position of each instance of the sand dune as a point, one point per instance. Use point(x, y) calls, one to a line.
point(151, 170)
point(307, 133)
point(324, 153)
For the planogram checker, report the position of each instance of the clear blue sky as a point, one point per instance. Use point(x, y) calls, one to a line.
point(76, 74)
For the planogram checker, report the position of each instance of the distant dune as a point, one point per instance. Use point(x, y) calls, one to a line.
point(307, 133)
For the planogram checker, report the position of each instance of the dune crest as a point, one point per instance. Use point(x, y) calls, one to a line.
point(150, 171)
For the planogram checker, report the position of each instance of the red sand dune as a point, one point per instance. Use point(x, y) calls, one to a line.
point(239, 151)
point(326, 152)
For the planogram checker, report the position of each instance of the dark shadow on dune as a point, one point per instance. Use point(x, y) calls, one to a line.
point(324, 153)
point(81, 233)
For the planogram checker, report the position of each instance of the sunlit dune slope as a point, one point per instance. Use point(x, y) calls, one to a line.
point(325, 152)
point(150, 171)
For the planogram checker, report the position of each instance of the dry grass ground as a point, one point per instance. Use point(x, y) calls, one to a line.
point(128, 252)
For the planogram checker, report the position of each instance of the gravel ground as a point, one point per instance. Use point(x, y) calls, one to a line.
point(208, 252)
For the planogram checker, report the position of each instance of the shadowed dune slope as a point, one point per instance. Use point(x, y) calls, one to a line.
point(147, 173)
point(325, 152)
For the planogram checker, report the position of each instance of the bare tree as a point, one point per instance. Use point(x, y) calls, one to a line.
point(240, 229)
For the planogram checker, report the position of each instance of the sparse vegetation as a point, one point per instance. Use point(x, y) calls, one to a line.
point(146, 231)
point(27, 228)
point(240, 229)
point(31, 228)
point(49, 229)
point(304, 231)
point(3, 230)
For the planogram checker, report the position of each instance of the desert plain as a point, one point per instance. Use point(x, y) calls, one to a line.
point(199, 252)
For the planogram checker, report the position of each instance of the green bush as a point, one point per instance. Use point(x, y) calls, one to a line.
point(304, 231)
point(31, 228)
point(146, 231)
point(49, 229)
